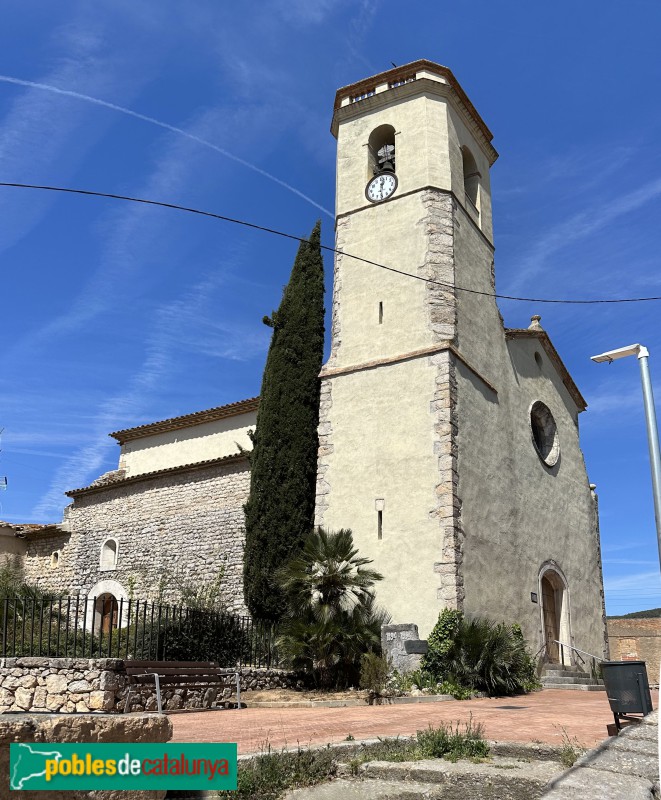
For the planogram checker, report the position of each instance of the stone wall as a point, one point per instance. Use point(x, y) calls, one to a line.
point(637, 639)
point(181, 528)
point(41, 568)
point(393, 638)
point(63, 728)
point(99, 685)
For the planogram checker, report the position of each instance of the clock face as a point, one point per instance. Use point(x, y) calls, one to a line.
point(381, 187)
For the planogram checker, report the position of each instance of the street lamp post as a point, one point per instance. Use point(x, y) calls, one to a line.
point(642, 354)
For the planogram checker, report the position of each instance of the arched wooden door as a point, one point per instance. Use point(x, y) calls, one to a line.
point(108, 612)
point(551, 624)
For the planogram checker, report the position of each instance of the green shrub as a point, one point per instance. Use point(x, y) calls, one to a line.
point(452, 743)
point(270, 774)
point(479, 655)
point(457, 691)
point(443, 741)
point(419, 679)
point(202, 636)
point(374, 669)
point(440, 642)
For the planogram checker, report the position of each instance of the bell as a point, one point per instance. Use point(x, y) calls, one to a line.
point(387, 166)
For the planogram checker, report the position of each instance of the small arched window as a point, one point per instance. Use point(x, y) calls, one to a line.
point(109, 554)
point(471, 179)
point(381, 149)
point(55, 559)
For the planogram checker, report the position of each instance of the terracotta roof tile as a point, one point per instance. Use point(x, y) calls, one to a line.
point(144, 476)
point(186, 420)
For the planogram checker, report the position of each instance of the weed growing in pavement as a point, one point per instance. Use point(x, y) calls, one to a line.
point(571, 750)
point(270, 774)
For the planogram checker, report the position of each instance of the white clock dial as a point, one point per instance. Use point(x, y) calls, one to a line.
point(381, 187)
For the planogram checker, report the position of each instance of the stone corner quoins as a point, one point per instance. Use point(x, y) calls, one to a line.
point(442, 310)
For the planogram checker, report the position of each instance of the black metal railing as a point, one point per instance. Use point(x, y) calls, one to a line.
point(103, 627)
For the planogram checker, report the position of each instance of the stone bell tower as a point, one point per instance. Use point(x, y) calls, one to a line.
point(413, 159)
point(426, 451)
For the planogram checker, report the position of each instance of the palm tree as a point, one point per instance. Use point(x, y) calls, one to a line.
point(332, 618)
point(479, 654)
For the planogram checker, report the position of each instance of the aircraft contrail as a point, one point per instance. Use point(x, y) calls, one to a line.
point(173, 128)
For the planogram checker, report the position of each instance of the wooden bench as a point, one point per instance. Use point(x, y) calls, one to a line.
point(187, 674)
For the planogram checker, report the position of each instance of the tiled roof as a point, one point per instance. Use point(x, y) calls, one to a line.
point(23, 528)
point(145, 476)
point(186, 420)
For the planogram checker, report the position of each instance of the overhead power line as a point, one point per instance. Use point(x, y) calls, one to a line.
point(264, 229)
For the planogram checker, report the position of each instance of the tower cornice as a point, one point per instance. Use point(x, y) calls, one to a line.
point(418, 77)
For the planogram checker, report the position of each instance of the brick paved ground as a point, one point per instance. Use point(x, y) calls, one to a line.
point(540, 716)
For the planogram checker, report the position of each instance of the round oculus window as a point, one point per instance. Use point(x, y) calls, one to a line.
point(544, 433)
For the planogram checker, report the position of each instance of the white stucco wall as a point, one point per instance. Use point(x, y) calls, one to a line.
point(188, 445)
point(10, 545)
point(383, 449)
point(379, 233)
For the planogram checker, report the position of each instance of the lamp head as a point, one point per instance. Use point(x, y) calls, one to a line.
point(622, 352)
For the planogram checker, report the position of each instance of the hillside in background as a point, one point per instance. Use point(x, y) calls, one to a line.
point(652, 612)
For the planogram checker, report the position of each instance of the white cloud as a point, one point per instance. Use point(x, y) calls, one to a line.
point(306, 12)
point(37, 133)
point(48, 87)
point(579, 227)
point(618, 398)
point(635, 584)
point(173, 324)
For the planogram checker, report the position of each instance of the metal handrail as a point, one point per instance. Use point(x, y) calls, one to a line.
point(543, 647)
point(576, 649)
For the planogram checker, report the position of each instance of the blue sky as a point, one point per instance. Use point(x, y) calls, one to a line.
point(116, 314)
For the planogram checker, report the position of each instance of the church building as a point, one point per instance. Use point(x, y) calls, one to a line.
point(449, 443)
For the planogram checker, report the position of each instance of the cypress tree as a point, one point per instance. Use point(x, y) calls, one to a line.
point(280, 509)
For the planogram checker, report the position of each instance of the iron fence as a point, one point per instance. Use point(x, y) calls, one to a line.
point(103, 627)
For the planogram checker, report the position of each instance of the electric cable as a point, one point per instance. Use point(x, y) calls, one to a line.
point(264, 229)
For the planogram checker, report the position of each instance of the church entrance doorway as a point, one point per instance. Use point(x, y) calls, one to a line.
point(555, 615)
point(551, 627)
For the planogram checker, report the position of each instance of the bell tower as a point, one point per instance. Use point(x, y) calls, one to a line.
point(412, 193)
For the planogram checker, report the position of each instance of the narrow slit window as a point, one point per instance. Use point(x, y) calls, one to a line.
point(380, 313)
point(379, 524)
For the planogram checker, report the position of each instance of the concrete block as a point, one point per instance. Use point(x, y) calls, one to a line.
point(590, 784)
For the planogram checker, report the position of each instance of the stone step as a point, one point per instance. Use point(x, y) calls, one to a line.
point(581, 687)
point(564, 673)
point(572, 679)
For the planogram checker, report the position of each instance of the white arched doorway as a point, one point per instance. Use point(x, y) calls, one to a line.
point(556, 619)
point(107, 607)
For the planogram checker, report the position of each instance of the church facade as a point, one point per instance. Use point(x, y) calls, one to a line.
point(448, 443)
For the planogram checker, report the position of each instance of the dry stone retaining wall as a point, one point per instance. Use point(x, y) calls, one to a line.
point(99, 685)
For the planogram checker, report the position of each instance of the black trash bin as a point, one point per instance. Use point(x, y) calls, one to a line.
point(627, 688)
